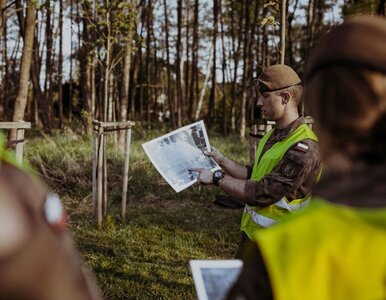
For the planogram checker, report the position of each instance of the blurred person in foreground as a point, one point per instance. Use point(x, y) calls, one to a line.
point(336, 247)
point(287, 161)
point(38, 258)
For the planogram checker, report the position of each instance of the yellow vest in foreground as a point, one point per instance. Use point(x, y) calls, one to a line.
point(327, 252)
point(8, 156)
point(256, 217)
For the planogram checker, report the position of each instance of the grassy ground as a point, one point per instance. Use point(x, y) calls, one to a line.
point(148, 256)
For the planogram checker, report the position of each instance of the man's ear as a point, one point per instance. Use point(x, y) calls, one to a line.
point(286, 97)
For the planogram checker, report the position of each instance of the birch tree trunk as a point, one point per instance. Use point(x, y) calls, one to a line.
point(170, 95)
point(22, 94)
point(205, 84)
point(124, 90)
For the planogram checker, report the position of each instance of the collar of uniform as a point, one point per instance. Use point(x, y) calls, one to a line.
point(281, 134)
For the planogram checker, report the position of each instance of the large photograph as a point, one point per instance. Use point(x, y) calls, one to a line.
point(174, 153)
point(214, 278)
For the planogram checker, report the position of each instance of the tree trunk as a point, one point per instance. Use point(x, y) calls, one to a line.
point(169, 72)
point(246, 59)
point(290, 45)
point(85, 69)
point(223, 69)
point(194, 70)
point(205, 84)
point(60, 65)
point(124, 90)
point(178, 62)
point(107, 66)
point(283, 21)
point(3, 35)
point(22, 94)
point(3, 16)
point(236, 57)
point(34, 69)
point(149, 15)
point(212, 98)
point(187, 67)
point(48, 82)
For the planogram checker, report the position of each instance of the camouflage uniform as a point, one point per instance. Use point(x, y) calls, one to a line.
point(293, 177)
point(38, 258)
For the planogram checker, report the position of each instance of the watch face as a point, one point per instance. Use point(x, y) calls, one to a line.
point(218, 174)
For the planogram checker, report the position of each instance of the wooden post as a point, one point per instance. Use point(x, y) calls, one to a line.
point(20, 127)
point(100, 200)
point(100, 175)
point(126, 172)
point(20, 145)
point(104, 179)
point(94, 171)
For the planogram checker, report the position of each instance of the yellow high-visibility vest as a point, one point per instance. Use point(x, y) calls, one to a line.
point(8, 156)
point(256, 217)
point(327, 251)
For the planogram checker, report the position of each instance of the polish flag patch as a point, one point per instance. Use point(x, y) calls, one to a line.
point(301, 147)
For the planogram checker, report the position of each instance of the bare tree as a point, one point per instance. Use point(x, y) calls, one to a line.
point(60, 65)
point(124, 90)
point(22, 94)
point(169, 72)
point(212, 97)
point(194, 70)
point(283, 21)
point(178, 63)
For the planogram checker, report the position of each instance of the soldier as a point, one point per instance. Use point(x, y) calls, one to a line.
point(287, 161)
point(336, 247)
point(37, 256)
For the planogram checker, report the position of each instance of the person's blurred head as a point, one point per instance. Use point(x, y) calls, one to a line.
point(279, 90)
point(346, 93)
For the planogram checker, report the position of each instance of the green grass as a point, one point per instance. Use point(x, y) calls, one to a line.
point(148, 256)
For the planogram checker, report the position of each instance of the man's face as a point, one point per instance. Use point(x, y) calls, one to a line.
point(271, 105)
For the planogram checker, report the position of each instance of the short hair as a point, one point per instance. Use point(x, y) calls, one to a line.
point(296, 92)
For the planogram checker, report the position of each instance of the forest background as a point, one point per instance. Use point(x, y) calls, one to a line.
point(162, 64)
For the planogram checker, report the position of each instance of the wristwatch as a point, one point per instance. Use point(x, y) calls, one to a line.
point(217, 176)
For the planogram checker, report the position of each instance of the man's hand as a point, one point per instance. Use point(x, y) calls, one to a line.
point(205, 176)
point(217, 156)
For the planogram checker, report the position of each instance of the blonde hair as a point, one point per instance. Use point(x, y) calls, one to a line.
point(348, 105)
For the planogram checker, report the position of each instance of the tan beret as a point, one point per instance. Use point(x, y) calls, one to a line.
point(359, 42)
point(277, 77)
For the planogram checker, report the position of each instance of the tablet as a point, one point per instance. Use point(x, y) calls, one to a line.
point(214, 278)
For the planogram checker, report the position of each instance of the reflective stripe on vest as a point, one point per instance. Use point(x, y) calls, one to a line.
point(264, 163)
point(264, 221)
point(339, 250)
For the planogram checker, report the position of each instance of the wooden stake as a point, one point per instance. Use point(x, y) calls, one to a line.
point(126, 173)
point(19, 146)
point(104, 205)
point(100, 176)
point(94, 171)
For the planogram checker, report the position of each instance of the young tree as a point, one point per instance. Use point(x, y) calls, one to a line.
point(22, 94)
point(169, 71)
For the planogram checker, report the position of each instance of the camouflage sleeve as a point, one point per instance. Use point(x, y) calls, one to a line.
point(293, 177)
